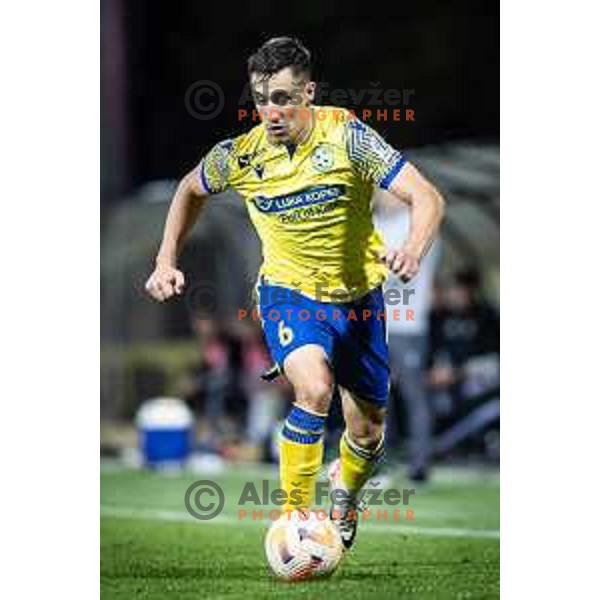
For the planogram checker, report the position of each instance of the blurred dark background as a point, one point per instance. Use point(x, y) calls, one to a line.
point(152, 52)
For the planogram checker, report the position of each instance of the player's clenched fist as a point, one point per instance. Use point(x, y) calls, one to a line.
point(165, 282)
point(401, 263)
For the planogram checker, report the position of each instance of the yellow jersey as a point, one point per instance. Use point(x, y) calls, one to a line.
point(311, 203)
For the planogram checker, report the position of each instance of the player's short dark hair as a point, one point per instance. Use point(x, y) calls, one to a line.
point(279, 53)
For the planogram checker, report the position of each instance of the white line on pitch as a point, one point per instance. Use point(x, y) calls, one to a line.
point(184, 517)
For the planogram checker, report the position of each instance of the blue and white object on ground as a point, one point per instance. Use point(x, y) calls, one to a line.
point(166, 432)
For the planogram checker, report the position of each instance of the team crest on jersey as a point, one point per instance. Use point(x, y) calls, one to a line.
point(322, 158)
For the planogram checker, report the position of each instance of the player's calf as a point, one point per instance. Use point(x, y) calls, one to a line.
point(301, 447)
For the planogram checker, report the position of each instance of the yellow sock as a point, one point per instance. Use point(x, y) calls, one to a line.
point(357, 464)
point(301, 456)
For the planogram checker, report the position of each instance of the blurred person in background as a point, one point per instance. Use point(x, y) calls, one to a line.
point(207, 389)
point(407, 340)
point(216, 391)
point(267, 402)
point(464, 359)
point(236, 407)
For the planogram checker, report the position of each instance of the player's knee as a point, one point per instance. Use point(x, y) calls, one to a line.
point(366, 433)
point(314, 394)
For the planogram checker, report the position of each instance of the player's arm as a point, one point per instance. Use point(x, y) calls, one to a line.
point(426, 214)
point(167, 280)
point(209, 177)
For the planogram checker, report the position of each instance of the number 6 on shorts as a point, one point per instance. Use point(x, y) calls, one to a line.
point(286, 335)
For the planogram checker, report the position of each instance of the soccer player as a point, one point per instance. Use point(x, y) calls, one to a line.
point(306, 174)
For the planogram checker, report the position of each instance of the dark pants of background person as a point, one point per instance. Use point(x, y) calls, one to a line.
point(407, 361)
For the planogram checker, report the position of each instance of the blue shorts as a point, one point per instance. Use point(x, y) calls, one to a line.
point(353, 335)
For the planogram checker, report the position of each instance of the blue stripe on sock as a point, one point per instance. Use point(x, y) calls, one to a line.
point(302, 419)
point(300, 438)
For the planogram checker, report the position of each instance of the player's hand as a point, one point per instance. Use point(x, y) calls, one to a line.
point(165, 282)
point(401, 263)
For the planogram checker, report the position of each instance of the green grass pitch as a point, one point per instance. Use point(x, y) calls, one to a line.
point(152, 548)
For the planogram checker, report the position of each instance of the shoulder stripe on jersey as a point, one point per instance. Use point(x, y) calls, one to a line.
point(203, 178)
point(387, 180)
point(374, 158)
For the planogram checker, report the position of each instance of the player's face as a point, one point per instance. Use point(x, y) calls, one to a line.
point(283, 101)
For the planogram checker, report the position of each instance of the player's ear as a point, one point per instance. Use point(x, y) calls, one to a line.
point(311, 87)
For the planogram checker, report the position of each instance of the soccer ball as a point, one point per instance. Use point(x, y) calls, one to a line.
point(303, 545)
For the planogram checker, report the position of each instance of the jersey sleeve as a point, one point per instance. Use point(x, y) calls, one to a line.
point(214, 169)
point(374, 159)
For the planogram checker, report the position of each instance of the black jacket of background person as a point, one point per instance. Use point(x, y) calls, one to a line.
point(461, 335)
